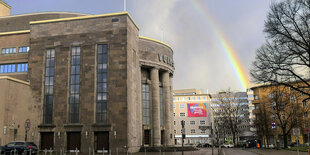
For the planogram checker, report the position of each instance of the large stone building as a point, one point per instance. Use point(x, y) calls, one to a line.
point(193, 107)
point(90, 81)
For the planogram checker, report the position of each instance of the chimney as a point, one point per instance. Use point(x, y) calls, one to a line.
point(5, 9)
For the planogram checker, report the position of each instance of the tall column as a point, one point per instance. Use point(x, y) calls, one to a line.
point(171, 110)
point(155, 107)
point(167, 109)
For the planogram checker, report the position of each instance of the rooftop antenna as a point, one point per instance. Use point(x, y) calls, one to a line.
point(124, 5)
point(162, 33)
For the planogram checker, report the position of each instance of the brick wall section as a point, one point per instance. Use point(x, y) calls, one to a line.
point(16, 106)
point(8, 41)
point(134, 118)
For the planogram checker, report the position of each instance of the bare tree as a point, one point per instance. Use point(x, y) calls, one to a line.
point(285, 57)
point(230, 111)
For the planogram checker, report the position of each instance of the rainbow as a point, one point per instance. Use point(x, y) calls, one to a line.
point(228, 49)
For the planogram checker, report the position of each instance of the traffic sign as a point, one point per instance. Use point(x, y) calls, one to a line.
point(27, 124)
point(296, 131)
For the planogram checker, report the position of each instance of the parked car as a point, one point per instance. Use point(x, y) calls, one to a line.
point(1, 150)
point(20, 147)
point(199, 145)
point(252, 143)
point(207, 145)
point(228, 145)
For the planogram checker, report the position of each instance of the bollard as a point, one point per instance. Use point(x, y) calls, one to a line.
point(89, 151)
point(45, 151)
point(51, 151)
point(102, 151)
point(30, 152)
point(160, 151)
point(116, 151)
point(144, 151)
point(93, 151)
point(76, 151)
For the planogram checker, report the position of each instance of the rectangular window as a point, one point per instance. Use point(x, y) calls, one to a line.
point(8, 50)
point(74, 103)
point(192, 122)
point(182, 106)
point(102, 91)
point(173, 122)
point(202, 122)
point(175, 131)
point(174, 114)
point(306, 114)
point(173, 106)
point(304, 103)
point(161, 100)
point(203, 131)
point(23, 49)
point(146, 104)
point(193, 131)
point(182, 114)
point(13, 68)
point(271, 95)
point(48, 86)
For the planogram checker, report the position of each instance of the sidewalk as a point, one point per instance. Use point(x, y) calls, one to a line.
point(275, 152)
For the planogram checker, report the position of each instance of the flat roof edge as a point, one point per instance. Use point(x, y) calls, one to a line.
point(15, 80)
point(157, 41)
point(14, 32)
point(7, 5)
point(82, 17)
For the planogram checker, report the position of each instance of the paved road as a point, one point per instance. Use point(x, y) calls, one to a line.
point(202, 151)
point(237, 151)
point(275, 152)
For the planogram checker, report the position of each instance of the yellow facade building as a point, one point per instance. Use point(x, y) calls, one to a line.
point(276, 107)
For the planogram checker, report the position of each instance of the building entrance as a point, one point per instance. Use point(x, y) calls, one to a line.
point(73, 140)
point(102, 140)
point(47, 140)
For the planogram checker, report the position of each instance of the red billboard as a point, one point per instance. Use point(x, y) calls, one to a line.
point(196, 109)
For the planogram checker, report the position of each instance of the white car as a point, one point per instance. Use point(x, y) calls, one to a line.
point(228, 145)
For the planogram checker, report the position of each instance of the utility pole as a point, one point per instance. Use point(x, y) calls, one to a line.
point(183, 134)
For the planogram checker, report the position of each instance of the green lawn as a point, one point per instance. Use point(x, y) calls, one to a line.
point(304, 148)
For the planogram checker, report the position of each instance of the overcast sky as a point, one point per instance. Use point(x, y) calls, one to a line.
point(200, 61)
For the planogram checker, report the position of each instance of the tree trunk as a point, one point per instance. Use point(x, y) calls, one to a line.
point(285, 140)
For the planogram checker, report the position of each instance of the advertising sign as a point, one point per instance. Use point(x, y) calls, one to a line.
point(197, 109)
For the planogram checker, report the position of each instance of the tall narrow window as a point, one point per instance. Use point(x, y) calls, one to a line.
point(101, 108)
point(161, 106)
point(75, 85)
point(146, 104)
point(48, 86)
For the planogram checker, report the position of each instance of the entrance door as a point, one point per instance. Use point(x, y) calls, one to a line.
point(102, 140)
point(162, 138)
point(147, 137)
point(74, 140)
point(47, 140)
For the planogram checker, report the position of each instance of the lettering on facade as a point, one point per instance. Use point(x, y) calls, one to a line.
point(165, 59)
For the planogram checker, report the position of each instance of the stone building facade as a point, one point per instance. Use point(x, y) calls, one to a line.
point(94, 82)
